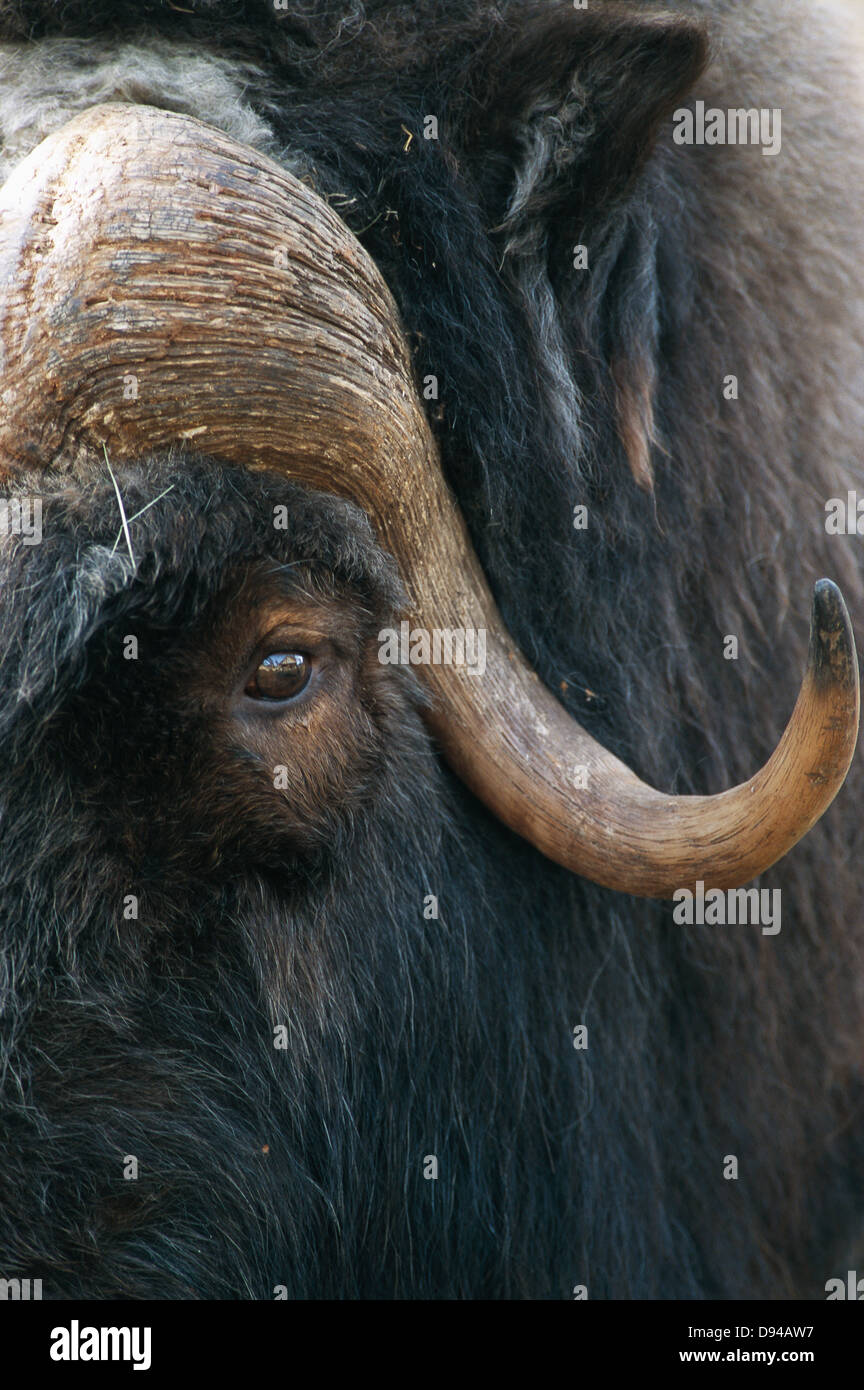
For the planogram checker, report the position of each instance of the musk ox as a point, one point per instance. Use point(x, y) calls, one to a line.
point(325, 975)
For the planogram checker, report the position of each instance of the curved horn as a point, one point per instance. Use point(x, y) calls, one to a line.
point(163, 283)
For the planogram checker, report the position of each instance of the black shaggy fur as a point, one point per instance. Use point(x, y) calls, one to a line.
point(558, 387)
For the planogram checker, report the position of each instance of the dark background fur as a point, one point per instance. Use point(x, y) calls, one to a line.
point(602, 1167)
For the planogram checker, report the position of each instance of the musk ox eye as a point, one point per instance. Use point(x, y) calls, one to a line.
point(280, 676)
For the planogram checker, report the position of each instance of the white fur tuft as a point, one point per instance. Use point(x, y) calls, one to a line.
point(43, 85)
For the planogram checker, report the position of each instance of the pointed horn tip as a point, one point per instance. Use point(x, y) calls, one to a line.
point(833, 658)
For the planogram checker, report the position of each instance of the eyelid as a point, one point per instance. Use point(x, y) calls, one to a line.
point(293, 639)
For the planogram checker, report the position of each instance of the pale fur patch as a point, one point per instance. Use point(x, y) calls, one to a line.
point(43, 85)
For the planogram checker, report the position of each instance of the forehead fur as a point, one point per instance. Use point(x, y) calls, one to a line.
point(191, 528)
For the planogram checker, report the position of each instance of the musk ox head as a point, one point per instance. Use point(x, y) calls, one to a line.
point(257, 940)
point(166, 284)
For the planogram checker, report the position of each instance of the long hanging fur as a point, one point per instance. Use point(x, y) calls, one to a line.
point(557, 388)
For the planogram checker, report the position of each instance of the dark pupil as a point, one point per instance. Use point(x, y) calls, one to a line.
point(280, 675)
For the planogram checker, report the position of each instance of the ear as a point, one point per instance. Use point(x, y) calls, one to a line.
point(569, 103)
point(563, 119)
